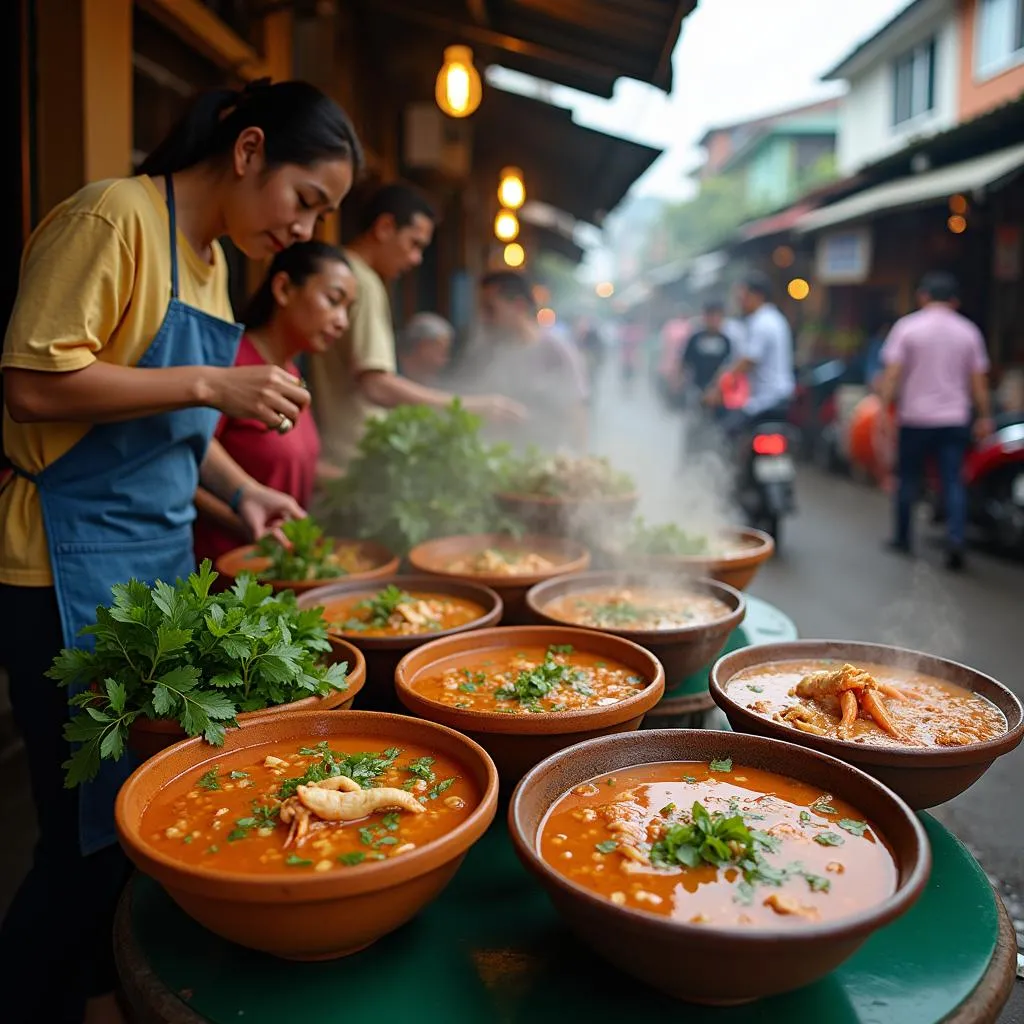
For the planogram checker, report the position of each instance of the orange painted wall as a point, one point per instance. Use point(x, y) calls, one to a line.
point(977, 97)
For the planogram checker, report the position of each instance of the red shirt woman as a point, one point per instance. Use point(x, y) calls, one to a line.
point(302, 306)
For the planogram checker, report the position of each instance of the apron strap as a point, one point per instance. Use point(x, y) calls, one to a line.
point(169, 181)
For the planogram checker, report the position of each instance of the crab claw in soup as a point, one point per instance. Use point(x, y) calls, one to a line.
point(718, 844)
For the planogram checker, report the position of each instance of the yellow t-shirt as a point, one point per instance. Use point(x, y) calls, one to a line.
point(340, 409)
point(95, 284)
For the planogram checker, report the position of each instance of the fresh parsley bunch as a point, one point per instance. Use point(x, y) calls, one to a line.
point(308, 555)
point(664, 539)
point(572, 477)
point(179, 652)
point(422, 473)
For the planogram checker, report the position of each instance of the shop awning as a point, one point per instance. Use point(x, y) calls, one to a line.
point(579, 170)
point(584, 44)
point(775, 224)
point(988, 171)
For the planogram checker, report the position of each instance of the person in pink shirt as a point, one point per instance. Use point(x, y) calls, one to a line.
point(936, 369)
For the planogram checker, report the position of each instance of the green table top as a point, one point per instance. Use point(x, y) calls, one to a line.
point(492, 949)
point(763, 624)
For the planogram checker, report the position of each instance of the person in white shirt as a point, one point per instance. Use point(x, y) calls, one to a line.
point(765, 357)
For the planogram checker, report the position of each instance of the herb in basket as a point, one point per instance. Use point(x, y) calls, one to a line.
point(308, 555)
point(664, 539)
point(566, 476)
point(422, 473)
point(180, 653)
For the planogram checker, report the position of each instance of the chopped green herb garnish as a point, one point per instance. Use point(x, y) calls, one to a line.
point(755, 689)
point(188, 839)
point(855, 828)
point(209, 781)
point(817, 883)
point(238, 775)
point(805, 816)
point(823, 805)
point(765, 841)
point(721, 764)
point(711, 839)
point(352, 859)
point(443, 785)
point(461, 704)
point(467, 687)
point(829, 839)
point(690, 778)
point(667, 810)
point(421, 768)
point(295, 861)
point(363, 768)
point(608, 846)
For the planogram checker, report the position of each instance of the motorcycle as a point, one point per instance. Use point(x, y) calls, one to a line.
point(766, 484)
point(994, 477)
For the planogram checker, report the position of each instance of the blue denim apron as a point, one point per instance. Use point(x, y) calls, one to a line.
point(120, 504)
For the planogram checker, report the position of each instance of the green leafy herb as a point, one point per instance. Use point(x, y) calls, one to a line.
point(352, 859)
point(755, 689)
point(533, 684)
point(805, 816)
point(829, 839)
point(377, 836)
point(721, 764)
point(823, 805)
point(441, 787)
point(421, 768)
point(567, 476)
point(467, 687)
point(364, 768)
point(664, 539)
point(690, 779)
point(383, 605)
point(855, 828)
point(293, 860)
point(817, 883)
point(265, 815)
point(182, 653)
point(238, 775)
point(608, 846)
point(209, 781)
point(715, 839)
point(188, 839)
point(667, 810)
point(305, 555)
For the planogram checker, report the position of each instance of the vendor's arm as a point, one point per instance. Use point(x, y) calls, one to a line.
point(220, 514)
point(892, 356)
point(983, 423)
point(260, 508)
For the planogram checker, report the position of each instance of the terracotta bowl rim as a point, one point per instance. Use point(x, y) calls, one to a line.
point(865, 922)
point(369, 876)
point(736, 560)
point(388, 566)
point(646, 637)
point(578, 560)
point(521, 497)
point(577, 720)
point(485, 596)
point(356, 677)
point(845, 750)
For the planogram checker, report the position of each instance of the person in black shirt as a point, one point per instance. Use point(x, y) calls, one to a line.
point(706, 352)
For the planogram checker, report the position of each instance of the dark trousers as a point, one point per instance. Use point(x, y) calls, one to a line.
point(947, 445)
point(61, 919)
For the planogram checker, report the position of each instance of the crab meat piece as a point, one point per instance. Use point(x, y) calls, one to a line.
point(848, 691)
point(800, 718)
point(330, 805)
point(298, 818)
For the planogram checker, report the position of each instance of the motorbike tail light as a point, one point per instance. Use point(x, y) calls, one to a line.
point(770, 444)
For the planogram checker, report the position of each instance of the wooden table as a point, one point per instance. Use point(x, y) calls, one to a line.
point(492, 950)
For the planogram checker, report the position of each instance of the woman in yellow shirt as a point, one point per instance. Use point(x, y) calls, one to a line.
point(117, 365)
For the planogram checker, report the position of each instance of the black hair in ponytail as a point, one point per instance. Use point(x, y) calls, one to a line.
point(300, 124)
point(300, 262)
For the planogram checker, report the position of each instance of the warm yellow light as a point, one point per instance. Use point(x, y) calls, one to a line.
point(511, 190)
point(958, 204)
point(458, 90)
point(546, 316)
point(605, 290)
point(783, 256)
point(515, 255)
point(798, 289)
point(506, 226)
point(957, 224)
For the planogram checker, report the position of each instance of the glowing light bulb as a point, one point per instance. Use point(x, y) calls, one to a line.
point(458, 89)
point(515, 255)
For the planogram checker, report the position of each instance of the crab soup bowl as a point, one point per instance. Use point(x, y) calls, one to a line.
point(681, 649)
point(478, 606)
point(924, 776)
point(452, 557)
point(301, 912)
point(515, 737)
point(148, 736)
point(704, 961)
point(383, 564)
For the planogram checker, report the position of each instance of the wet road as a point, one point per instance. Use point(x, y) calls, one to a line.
point(835, 581)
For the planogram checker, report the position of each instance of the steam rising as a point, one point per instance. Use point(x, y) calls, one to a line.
point(925, 618)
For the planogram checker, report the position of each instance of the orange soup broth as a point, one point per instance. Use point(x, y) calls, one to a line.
point(636, 608)
point(936, 713)
point(831, 872)
point(478, 683)
point(235, 826)
point(439, 612)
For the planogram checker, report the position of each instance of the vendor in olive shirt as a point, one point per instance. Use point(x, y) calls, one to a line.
point(358, 378)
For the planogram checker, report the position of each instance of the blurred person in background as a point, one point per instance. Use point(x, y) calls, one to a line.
point(936, 366)
point(590, 342)
point(632, 332)
point(764, 357)
point(425, 347)
point(539, 366)
point(359, 377)
point(301, 307)
point(672, 341)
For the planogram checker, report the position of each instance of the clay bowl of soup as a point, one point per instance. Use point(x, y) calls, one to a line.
point(508, 565)
point(927, 727)
point(684, 622)
point(149, 736)
point(261, 843)
point(352, 560)
point(715, 867)
point(733, 558)
point(386, 621)
point(523, 692)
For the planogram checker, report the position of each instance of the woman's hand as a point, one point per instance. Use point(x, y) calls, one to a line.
point(263, 510)
point(496, 407)
point(265, 393)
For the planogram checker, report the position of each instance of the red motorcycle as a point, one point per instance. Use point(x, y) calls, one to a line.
point(994, 476)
